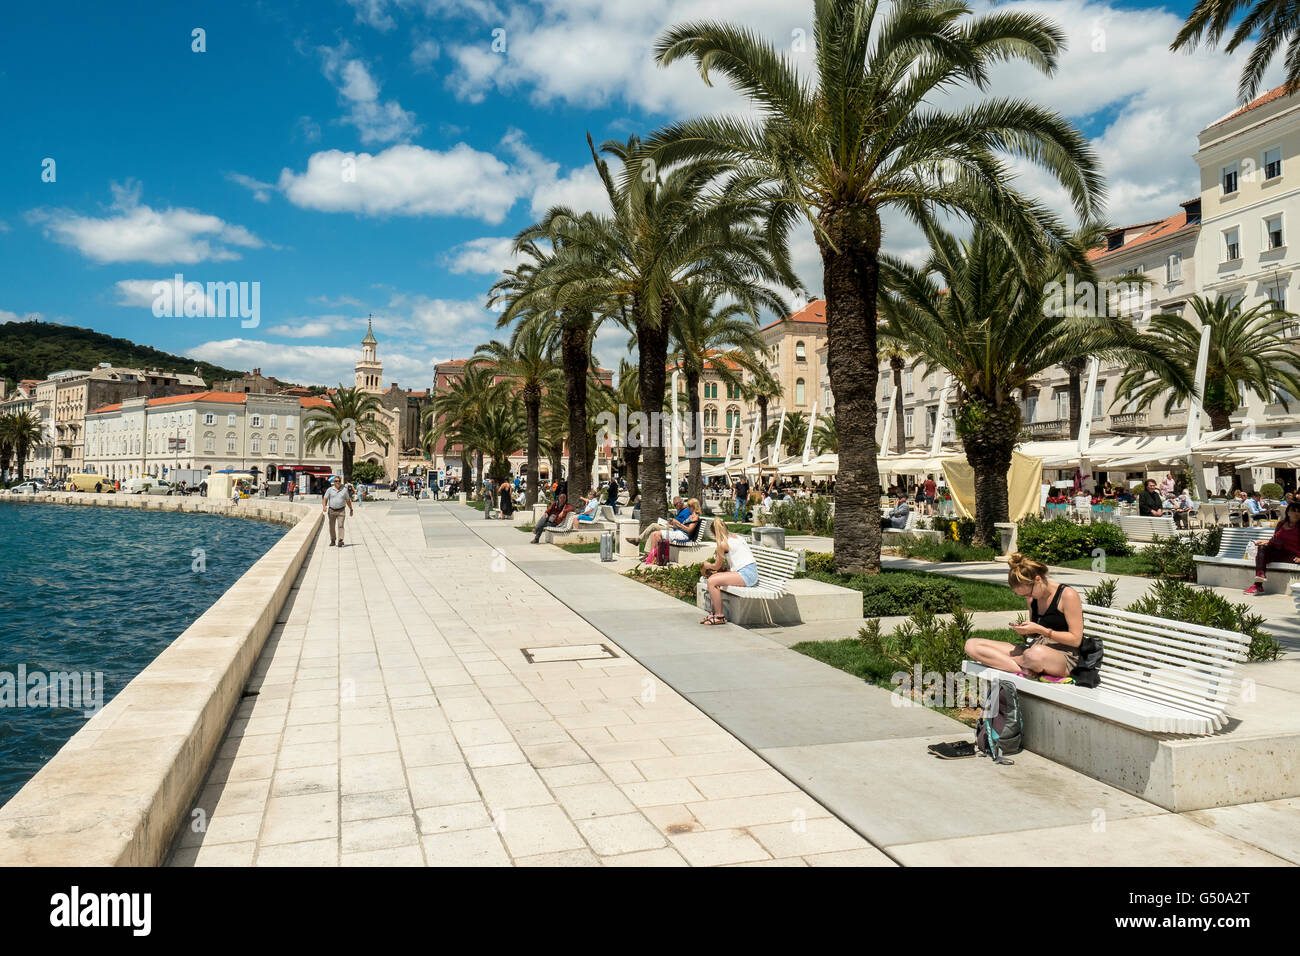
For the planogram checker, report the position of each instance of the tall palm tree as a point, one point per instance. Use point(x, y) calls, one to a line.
point(860, 134)
point(456, 411)
point(627, 393)
point(672, 224)
point(892, 351)
point(706, 336)
point(528, 362)
point(1249, 355)
point(528, 292)
point(25, 432)
point(1270, 23)
point(761, 388)
point(6, 446)
point(826, 436)
point(500, 432)
point(794, 432)
point(992, 327)
point(352, 415)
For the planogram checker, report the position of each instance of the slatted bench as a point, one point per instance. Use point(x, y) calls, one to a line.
point(775, 570)
point(1146, 528)
point(691, 550)
point(1230, 569)
point(1157, 676)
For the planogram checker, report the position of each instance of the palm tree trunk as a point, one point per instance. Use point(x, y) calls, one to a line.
point(695, 480)
point(576, 359)
point(652, 351)
point(988, 449)
point(349, 454)
point(1221, 418)
point(900, 439)
point(762, 423)
point(851, 275)
point(1075, 369)
point(478, 489)
point(632, 458)
point(533, 406)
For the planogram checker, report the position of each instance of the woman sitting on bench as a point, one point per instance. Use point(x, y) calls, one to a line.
point(734, 555)
point(682, 529)
point(1054, 634)
point(588, 513)
point(1283, 547)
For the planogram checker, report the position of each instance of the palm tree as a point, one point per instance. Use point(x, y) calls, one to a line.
point(457, 411)
point(1249, 355)
point(826, 436)
point(761, 388)
point(6, 446)
point(860, 133)
point(704, 336)
point(528, 362)
point(528, 292)
point(24, 431)
point(793, 433)
point(351, 415)
point(1270, 23)
point(672, 224)
point(891, 350)
point(992, 328)
point(627, 393)
point(499, 433)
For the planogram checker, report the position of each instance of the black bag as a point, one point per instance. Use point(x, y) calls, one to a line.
point(1086, 673)
point(998, 732)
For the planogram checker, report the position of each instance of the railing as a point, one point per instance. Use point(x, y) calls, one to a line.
point(1041, 431)
point(1128, 422)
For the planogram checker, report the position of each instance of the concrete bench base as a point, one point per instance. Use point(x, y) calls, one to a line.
point(804, 601)
point(691, 553)
point(1240, 573)
point(1174, 772)
point(891, 535)
point(582, 535)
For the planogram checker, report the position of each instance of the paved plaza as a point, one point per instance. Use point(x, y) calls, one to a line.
point(394, 718)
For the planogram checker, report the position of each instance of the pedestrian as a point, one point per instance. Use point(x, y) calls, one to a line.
point(611, 494)
point(292, 488)
point(333, 503)
point(742, 496)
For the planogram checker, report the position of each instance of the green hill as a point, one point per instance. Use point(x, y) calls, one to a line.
point(35, 349)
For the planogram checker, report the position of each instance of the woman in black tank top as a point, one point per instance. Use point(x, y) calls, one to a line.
point(1051, 636)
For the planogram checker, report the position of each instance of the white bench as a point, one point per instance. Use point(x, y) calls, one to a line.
point(703, 539)
point(1157, 676)
point(1229, 568)
point(1146, 528)
point(775, 570)
point(908, 528)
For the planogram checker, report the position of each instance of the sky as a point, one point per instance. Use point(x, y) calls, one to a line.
point(358, 157)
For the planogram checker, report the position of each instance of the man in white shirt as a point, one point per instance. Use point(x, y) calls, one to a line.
point(337, 505)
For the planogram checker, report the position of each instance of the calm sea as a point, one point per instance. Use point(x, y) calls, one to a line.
point(98, 591)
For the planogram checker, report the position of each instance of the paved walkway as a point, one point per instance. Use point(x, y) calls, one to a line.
point(397, 722)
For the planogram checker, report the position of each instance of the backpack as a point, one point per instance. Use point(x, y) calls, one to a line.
point(1086, 673)
point(998, 730)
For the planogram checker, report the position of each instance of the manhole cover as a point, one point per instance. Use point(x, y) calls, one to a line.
point(567, 652)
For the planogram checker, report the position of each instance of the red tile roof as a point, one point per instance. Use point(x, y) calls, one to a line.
point(1163, 228)
point(1256, 103)
point(814, 312)
point(222, 398)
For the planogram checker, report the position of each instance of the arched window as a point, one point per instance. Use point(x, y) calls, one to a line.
point(288, 445)
point(257, 444)
point(800, 353)
point(798, 391)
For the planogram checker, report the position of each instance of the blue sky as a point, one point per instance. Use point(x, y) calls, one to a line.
point(225, 165)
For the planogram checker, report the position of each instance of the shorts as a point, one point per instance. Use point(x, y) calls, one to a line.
point(676, 536)
point(1071, 653)
point(749, 574)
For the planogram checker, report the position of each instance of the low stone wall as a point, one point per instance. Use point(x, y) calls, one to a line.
point(116, 793)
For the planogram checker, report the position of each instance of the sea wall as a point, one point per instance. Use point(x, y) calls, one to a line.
point(117, 792)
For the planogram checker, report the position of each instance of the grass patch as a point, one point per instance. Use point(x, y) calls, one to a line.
point(476, 505)
point(525, 528)
point(1134, 564)
point(675, 580)
point(895, 591)
point(589, 547)
point(740, 528)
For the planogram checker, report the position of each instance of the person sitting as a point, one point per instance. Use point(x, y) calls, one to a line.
point(897, 518)
point(732, 564)
point(1055, 632)
point(1181, 507)
point(682, 529)
point(1255, 510)
point(1150, 503)
point(1283, 547)
point(678, 511)
point(554, 516)
point(589, 508)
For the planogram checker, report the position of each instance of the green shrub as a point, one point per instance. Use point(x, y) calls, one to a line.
point(922, 640)
point(803, 514)
point(1061, 540)
point(1173, 557)
point(1102, 594)
point(677, 580)
point(823, 561)
point(927, 549)
point(1178, 601)
point(887, 595)
point(1271, 489)
point(367, 472)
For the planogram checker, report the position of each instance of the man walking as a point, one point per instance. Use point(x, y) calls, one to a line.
point(742, 496)
point(333, 503)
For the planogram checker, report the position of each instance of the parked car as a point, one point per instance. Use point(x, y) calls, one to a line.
point(26, 488)
point(146, 486)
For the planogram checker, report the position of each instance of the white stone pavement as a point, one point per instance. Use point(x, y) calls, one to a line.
point(397, 722)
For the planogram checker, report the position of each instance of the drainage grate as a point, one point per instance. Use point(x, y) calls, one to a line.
point(567, 652)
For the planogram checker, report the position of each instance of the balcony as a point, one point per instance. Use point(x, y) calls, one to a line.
point(1045, 431)
point(1128, 423)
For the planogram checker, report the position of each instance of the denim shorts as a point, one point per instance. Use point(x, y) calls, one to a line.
point(749, 574)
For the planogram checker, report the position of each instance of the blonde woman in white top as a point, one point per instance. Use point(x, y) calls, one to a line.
point(733, 564)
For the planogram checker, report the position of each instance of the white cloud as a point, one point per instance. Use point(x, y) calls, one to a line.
point(317, 326)
point(135, 232)
point(7, 316)
point(308, 129)
point(424, 53)
point(409, 181)
point(487, 256)
point(376, 121)
point(261, 191)
point(579, 189)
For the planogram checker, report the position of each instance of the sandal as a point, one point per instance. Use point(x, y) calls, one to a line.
point(714, 620)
